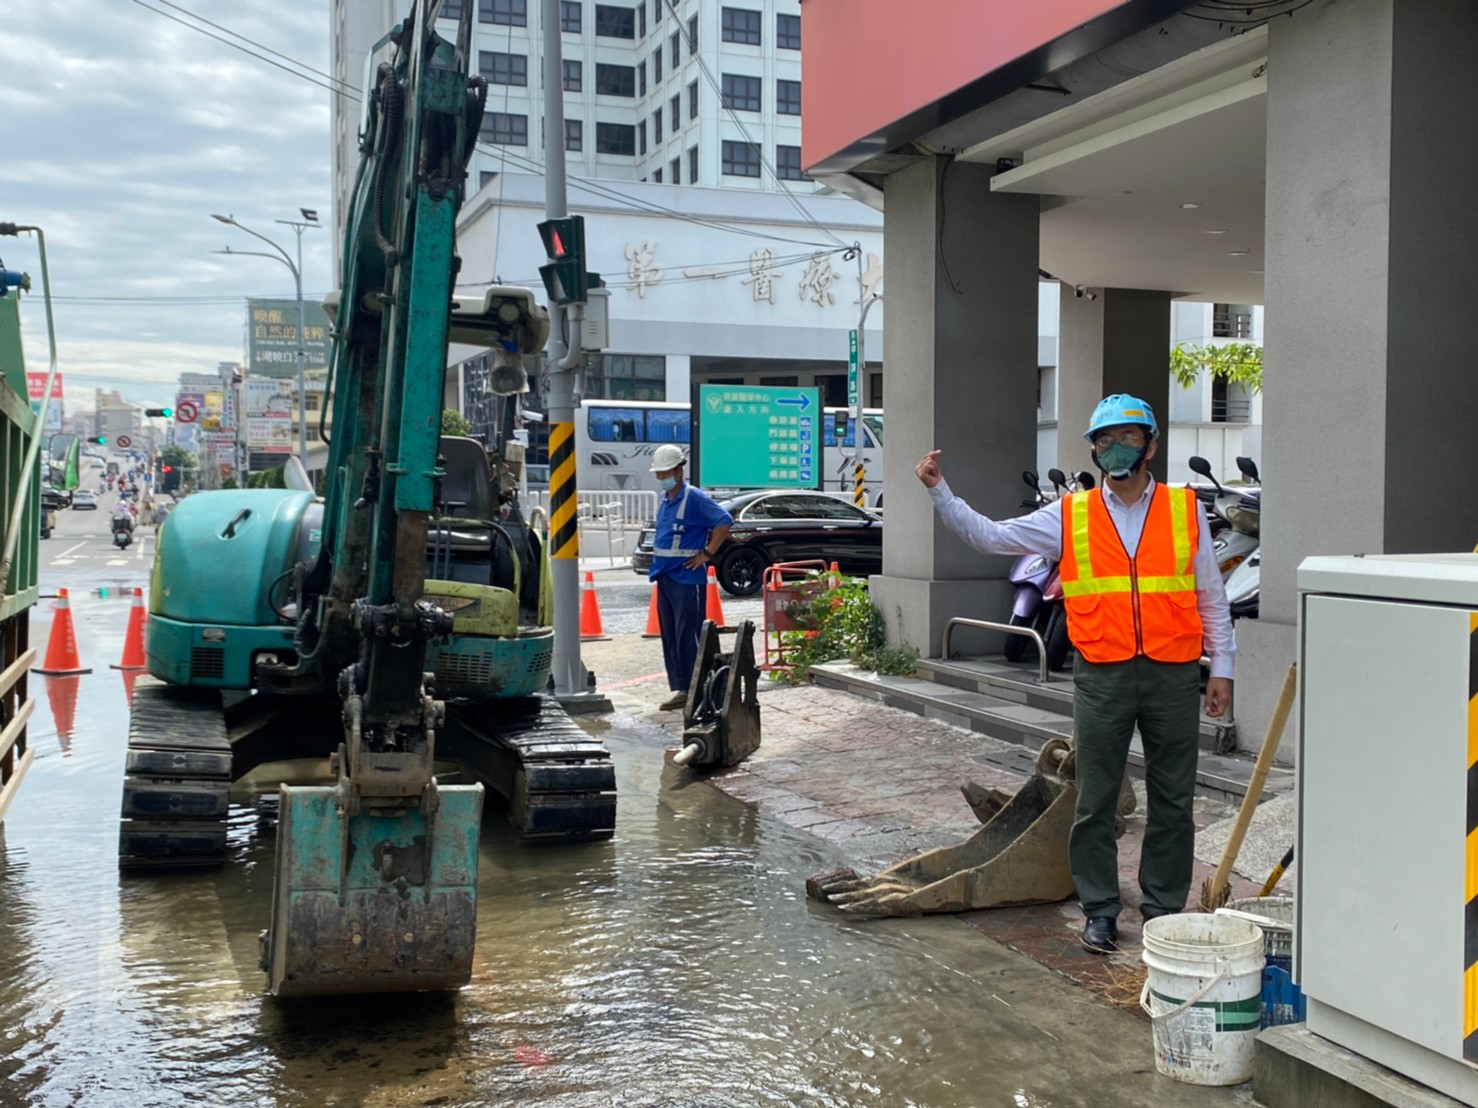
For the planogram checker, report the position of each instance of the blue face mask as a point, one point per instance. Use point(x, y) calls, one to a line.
point(667, 483)
point(1120, 460)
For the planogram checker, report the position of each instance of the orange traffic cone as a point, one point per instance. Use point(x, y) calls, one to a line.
point(61, 695)
point(833, 576)
point(61, 648)
point(715, 610)
point(130, 679)
point(590, 624)
point(133, 639)
point(654, 622)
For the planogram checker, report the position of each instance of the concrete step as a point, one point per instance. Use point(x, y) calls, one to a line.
point(993, 697)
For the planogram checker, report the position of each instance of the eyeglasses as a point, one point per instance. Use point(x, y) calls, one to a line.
point(1130, 436)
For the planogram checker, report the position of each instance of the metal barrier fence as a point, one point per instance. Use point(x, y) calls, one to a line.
point(609, 521)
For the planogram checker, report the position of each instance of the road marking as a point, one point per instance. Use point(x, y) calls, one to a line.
point(69, 550)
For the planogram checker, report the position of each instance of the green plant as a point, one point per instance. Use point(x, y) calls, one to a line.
point(1237, 362)
point(454, 422)
point(840, 621)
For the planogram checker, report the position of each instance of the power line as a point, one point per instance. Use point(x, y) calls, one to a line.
point(694, 53)
point(260, 46)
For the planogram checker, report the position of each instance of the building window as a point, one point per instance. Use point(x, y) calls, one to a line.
point(741, 159)
point(569, 16)
point(1231, 321)
point(641, 78)
point(641, 19)
point(615, 80)
point(693, 37)
point(677, 171)
point(574, 75)
point(613, 22)
point(787, 98)
point(692, 165)
point(656, 176)
point(509, 13)
point(632, 377)
point(657, 66)
point(657, 126)
point(741, 25)
point(487, 176)
point(741, 93)
point(674, 110)
point(615, 138)
point(693, 100)
point(451, 9)
point(574, 134)
point(503, 69)
point(673, 46)
point(788, 163)
point(641, 132)
point(788, 32)
point(505, 129)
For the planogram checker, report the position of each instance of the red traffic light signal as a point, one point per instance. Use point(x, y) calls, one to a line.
point(167, 469)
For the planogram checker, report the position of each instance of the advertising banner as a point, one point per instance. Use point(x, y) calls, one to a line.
point(272, 338)
point(36, 385)
point(269, 434)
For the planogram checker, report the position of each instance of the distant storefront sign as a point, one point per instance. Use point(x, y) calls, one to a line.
point(36, 385)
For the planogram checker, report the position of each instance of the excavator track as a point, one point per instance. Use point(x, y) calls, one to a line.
point(560, 783)
point(176, 792)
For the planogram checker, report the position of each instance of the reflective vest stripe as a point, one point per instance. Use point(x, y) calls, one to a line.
point(677, 551)
point(1078, 505)
point(1184, 582)
point(1182, 541)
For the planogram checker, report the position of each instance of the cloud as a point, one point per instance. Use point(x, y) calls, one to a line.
point(124, 131)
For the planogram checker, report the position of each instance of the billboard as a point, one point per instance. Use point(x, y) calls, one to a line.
point(757, 438)
point(35, 386)
point(272, 338)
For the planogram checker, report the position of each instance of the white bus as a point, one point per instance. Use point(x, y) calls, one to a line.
point(614, 440)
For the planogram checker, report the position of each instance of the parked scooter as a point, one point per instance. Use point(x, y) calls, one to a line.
point(1053, 624)
point(1241, 511)
point(1030, 575)
point(1242, 584)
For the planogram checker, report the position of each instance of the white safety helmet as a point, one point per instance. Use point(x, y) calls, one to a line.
point(667, 456)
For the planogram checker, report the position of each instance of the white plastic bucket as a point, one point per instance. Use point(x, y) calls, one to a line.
point(1203, 994)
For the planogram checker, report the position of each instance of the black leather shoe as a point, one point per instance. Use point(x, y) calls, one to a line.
point(1101, 935)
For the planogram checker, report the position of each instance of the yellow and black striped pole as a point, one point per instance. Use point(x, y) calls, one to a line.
point(859, 485)
point(564, 534)
point(1470, 919)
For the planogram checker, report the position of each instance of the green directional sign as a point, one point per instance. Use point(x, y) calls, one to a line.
point(758, 437)
point(852, 372)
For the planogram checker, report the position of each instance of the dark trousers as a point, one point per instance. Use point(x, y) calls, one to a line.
point(680, 614)
point(1164, 700)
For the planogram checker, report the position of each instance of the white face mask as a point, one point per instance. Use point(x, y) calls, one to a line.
point(667, 483)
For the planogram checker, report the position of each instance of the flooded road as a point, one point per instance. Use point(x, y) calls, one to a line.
point(676, 965)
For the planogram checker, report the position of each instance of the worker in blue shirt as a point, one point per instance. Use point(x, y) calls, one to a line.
point(691, 527)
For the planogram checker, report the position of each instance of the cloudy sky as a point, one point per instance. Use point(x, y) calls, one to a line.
point(121, 131)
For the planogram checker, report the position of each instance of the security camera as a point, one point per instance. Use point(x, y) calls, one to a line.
point(508, 376)
point(1084, 293)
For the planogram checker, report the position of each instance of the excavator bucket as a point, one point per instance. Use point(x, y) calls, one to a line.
point(1019, 856)
point(373, 903)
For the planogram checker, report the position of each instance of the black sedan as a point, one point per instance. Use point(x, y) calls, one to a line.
point(787, 526)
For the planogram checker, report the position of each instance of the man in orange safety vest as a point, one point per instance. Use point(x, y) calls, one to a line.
point(1144, 602)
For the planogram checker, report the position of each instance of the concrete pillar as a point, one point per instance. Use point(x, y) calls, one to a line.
point(961, 352)
point(1113, 340)
point(1372, 145)
point(679, 378)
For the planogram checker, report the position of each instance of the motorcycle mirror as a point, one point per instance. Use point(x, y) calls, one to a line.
point(1249, 469)
point(1030, 477)
point(1085, 480)
point(1057, 477)
point(1203, 467)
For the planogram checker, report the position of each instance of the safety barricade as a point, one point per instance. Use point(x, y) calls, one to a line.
point(789, 589)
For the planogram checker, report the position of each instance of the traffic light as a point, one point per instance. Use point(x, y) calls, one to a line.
point(166, 469)
point(164, 412)
point(100, 439)
point(564, 277)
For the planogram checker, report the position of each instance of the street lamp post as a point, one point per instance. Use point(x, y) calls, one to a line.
point(310, 219)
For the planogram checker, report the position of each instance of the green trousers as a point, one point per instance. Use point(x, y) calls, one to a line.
point(1163, 699)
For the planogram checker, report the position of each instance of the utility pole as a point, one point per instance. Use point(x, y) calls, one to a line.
point(571, 680)
point(857, 383)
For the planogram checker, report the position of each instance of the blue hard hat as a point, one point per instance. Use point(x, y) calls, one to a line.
point(1119, 409)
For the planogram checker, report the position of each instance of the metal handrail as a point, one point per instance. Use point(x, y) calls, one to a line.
point(1043, 677)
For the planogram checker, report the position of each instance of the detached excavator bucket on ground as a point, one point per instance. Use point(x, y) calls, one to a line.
point(1019, 856)
point(373, 902)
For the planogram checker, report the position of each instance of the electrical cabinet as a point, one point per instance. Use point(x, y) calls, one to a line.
point(1387, 930)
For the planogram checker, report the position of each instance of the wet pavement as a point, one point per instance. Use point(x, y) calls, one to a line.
point(679, 964)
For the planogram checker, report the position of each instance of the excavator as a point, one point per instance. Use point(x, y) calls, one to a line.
point(399, 622)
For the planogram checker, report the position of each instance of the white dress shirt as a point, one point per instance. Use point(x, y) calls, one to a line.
point(1041, 533)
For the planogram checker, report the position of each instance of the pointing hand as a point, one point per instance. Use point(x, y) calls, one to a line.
point(928, 469)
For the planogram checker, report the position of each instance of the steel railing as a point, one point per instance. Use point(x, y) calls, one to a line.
point(1007, 628)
